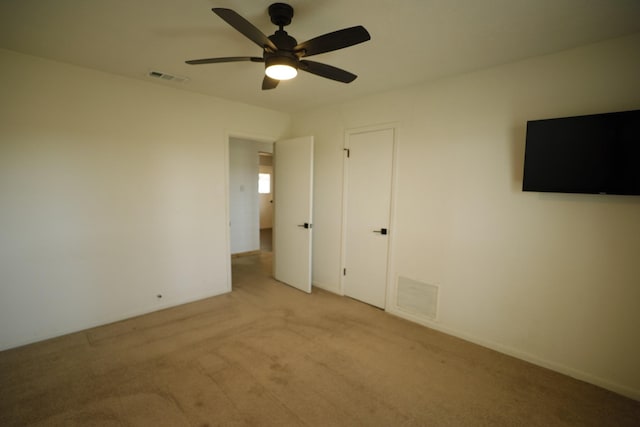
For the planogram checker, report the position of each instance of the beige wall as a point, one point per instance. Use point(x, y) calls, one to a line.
point(552, 278)
point(112, 191)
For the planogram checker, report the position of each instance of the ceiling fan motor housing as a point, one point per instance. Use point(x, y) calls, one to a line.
point(282, 58)
point(283, 40)
point(285, 54)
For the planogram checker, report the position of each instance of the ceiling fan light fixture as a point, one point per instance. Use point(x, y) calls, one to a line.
point(281, 72)
point(281, 68)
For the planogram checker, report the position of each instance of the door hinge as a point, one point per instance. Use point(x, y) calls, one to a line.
point(344, 271)
point(348, 152)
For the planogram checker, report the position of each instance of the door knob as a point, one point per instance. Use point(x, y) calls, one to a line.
point(381, 231)
point(305, 225)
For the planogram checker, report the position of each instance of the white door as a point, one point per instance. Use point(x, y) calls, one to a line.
point(368, 174)
point(293, 203)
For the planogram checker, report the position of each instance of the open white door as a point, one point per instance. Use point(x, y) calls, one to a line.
point(293, 204)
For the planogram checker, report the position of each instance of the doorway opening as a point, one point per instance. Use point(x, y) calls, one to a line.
point(265, 191)
point(292, 185)
point(250, 206)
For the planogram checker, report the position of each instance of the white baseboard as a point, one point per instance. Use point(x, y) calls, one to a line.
point(554, 366)
point(112, 318)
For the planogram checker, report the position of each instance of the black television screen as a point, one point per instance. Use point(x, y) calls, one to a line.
point(598, 154)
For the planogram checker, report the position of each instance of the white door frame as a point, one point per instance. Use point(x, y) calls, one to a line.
point(240, 135)
point(390, 285)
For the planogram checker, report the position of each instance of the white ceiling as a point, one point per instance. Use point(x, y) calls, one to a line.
point(412, 41)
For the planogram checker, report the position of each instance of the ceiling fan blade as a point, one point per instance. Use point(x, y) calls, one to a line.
point(269, 83)
point(227, 59)
point(327, 71)
point(333, 41)
point(245, 27)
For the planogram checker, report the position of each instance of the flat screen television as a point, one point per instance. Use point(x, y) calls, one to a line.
point(595, 154)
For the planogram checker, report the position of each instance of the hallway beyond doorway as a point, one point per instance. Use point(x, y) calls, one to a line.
point(266, 239)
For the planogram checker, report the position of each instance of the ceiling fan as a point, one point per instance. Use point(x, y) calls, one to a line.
point(282, 54)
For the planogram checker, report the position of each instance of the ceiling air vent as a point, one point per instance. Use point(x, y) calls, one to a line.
point(168, 77)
